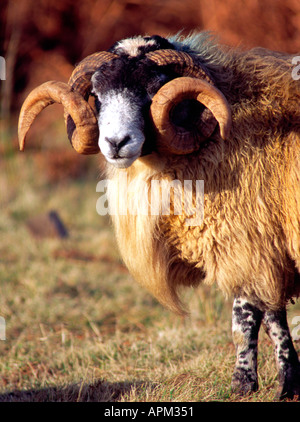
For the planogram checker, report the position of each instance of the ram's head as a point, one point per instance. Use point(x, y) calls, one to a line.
point(149, 99)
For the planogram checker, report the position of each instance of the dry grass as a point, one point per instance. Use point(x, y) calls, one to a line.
point(78, 328)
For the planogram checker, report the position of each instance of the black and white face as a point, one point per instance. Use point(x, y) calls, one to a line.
point(121, 126)
point(124, 89)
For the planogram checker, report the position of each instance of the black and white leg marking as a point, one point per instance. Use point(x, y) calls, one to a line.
point(276, 326)
point(246, 321)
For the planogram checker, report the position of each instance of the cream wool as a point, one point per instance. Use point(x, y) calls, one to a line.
point(241, 244)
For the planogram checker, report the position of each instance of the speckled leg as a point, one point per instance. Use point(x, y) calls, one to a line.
point(275, 324)
point(246, 321)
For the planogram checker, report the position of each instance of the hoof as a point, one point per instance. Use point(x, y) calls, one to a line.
point(289, 385)
point(244, 382)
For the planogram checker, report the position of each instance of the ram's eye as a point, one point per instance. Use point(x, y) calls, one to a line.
point(156, 84)
point(97, 104)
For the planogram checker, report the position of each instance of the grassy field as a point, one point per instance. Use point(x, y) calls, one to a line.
point(78, 328)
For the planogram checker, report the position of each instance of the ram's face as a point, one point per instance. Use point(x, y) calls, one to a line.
point(148, 97)
point(124, 89)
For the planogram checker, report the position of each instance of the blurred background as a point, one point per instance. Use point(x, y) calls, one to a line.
point(43, 39)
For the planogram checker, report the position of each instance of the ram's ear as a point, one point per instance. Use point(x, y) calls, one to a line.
point(80, 80)
point(84, 136)
point(183, 140)
point(97, 82)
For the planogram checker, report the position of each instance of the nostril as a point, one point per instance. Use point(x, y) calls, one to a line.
point(124, 141)
point(113, 143)
point(116, 144)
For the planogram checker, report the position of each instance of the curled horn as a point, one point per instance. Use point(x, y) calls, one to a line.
point(183, 63)
point(179, 140)
point(80, 118)
point(194, 83)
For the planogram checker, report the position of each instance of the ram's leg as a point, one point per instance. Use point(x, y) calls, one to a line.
point(246, 321)
point(275, 324)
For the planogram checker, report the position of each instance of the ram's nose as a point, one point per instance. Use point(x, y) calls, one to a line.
point(115, 145)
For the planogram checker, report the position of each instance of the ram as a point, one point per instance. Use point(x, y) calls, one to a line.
point(189, 109)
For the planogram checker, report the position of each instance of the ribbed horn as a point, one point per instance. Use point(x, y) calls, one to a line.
point(81, 123)
point(182, 63)
point(176, 139)
point(80, 81)
point(84, 137)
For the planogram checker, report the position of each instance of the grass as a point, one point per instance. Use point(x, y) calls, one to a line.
point(78, 328)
